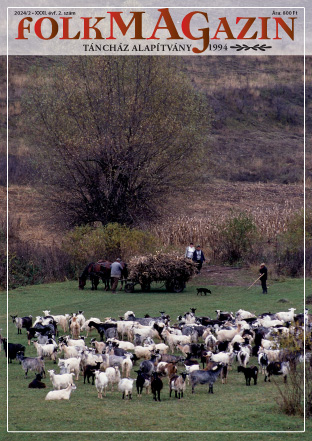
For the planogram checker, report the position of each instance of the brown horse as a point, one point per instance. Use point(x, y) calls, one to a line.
point(100, 270)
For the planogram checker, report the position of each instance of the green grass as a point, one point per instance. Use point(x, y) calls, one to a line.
point(233, 407)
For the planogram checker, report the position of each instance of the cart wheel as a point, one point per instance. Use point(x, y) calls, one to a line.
point(146, 287)
point(129, 287)
point(178, 286)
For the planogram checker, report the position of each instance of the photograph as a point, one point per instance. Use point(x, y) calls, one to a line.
point(156, 220)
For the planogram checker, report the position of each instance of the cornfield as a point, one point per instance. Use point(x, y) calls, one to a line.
point(205, 230)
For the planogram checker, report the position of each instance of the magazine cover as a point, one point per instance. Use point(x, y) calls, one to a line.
point(156, 220)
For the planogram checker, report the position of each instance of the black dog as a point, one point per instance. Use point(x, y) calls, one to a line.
point(202, 291)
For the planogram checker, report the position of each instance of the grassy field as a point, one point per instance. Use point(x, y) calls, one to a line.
point(233, 407)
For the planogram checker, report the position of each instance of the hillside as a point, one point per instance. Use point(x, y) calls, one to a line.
point(258, 104)
point(256, 137)
point(257, 133)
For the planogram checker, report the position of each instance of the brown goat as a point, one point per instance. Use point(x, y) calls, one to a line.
point(75, 328)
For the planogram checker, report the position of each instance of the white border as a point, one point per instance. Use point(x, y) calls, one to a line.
point(304, 205)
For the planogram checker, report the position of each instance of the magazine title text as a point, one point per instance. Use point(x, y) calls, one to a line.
point(94, 28)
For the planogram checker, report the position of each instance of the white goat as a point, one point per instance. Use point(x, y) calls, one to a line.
point(113, 375)
point(126, 345)
point(174, 340)
point(267, 322)
point(101, 382)
point(47, 350)
point(272, 354)
point(79, 342)
point(70, 351)
point(211, 342)
point(125, 386)
point(126, 366)
point(228, 334)
point(63, 394)
point(60, 381)
point(286, 316)
point(61, 320)
point(222, 357)
point(162, 348)
point(142, 352)
point(123, 328)
point(71, 365)
point(241, 314)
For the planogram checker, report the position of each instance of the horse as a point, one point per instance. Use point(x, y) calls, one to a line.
point(100, 270)
point(95, 271)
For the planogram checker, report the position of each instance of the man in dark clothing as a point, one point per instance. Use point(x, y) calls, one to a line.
point(264, 276)
point(198, 257)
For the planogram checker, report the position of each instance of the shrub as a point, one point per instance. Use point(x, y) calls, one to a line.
point(33, 264)
point(237, 236)
point(86, 243)
point(289, 256)
point(29, 263)
point(291, 395)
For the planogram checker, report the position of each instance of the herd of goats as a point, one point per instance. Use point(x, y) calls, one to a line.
point(204, 348)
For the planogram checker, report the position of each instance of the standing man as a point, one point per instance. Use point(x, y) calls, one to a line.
point(190, 251)
point(116, 270)
point(199, 258)
point(263, 278)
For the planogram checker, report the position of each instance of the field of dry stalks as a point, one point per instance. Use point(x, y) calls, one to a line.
point(197, 217)
point(194, 216)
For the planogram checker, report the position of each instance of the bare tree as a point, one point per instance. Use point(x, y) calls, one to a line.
point(114, 136)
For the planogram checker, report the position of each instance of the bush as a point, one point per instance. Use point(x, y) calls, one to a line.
point(86, 243)
point(291, 394)
point(289, 256)
point(291, 399)
point(33, 264)
point(237, 235)
point(29, 263)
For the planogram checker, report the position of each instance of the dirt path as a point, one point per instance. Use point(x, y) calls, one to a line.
point(226, 276)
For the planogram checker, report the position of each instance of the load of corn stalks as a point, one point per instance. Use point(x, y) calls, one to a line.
point(160, 267)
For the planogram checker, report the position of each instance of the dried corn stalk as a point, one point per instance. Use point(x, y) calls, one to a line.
point(160, 267)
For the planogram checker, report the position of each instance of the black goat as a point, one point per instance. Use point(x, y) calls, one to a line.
point(224, 315)
point(277, 368)
point(22, 322)
point(11, 349)
point(143, 380)
point(156, 386)
point(249, 372)
point(148, 366)
point(223, 345)
point(102, 327)
point(89, 371)
point(189, 362)
point(37, 383)
point(42, 330)
point(263, 362)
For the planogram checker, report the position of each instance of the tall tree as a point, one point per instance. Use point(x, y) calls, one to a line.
point(114, 136)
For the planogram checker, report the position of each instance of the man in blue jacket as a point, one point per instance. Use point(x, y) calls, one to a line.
point(199, 258)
